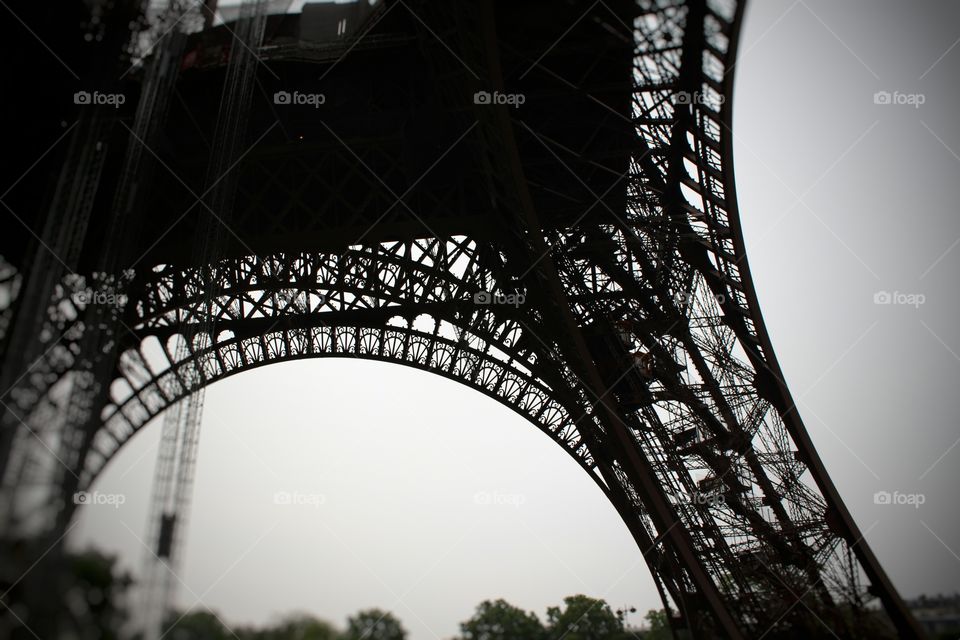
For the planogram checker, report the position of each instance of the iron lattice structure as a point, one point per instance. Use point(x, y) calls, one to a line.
point(426, 216)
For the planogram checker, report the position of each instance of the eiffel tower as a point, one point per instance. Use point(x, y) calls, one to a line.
point(535, 199)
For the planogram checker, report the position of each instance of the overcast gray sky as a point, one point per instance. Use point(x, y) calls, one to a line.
point(841, 198)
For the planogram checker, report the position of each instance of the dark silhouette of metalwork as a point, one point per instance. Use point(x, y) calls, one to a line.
point(535, 199)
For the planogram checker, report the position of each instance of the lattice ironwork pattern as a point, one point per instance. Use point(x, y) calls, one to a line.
point(589, 273)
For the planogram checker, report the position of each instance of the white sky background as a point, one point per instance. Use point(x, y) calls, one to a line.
point(399, 455)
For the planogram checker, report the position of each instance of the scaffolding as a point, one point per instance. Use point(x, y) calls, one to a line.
point(176, 460)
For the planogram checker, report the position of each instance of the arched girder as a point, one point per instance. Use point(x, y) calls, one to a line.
point(147, 394)
point(411, 303)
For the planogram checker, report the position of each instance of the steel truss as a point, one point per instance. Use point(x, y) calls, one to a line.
point(703, 453)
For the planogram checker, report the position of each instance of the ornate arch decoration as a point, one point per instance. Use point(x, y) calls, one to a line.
point(288, 307)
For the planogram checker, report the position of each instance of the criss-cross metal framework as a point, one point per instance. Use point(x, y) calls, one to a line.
point(594, 241)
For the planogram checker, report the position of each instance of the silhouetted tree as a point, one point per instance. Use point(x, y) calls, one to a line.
point(96, 595)
point(299, 626)
point(196, 625)
point(659, 626)
point(584, 618)
point(374, 624)
point(500, 620)
point(80, 595)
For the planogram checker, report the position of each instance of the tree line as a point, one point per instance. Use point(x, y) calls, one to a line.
point(95, 605)
point(579, 618)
